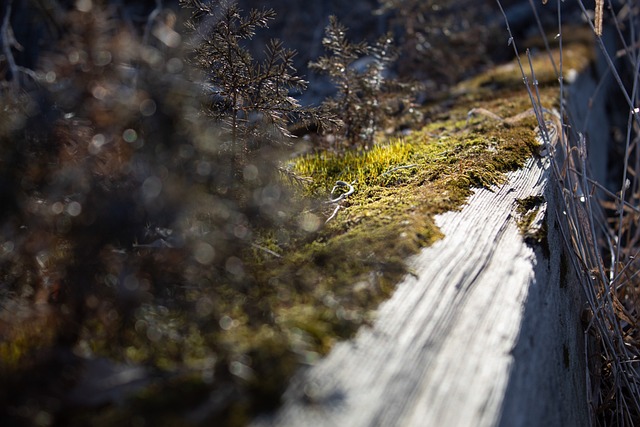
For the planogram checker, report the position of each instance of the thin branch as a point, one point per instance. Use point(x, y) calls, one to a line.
point(9, 42)
point(267, 250)
point(342, 196)
point(333, 215)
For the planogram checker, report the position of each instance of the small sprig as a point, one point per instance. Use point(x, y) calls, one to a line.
point(364, 93)
point(253, 99)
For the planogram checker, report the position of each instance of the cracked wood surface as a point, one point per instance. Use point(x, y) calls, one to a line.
point(484, 334)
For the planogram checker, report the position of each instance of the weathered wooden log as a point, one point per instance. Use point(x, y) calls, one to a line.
point(486, 332)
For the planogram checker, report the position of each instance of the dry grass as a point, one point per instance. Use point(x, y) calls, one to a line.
point(601, 228)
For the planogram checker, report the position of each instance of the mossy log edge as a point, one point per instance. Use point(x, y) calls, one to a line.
point(486, 333)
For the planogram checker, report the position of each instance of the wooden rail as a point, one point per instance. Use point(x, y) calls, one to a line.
point(487, 332)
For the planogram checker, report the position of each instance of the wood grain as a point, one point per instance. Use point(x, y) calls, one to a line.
point(486, 333)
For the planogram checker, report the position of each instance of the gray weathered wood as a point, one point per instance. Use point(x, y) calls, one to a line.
point(486, 333)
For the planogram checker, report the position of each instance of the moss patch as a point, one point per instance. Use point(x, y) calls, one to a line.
point(527, 210)
point(228, 348)
point(577, 55)
point(334, 273)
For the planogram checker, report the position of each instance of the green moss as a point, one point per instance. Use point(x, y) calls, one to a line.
point(338, 271)
point(332, 273)
point(576, 57)
point(527, 209)
point(321, 276)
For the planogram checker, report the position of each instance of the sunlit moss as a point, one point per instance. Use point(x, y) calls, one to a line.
point(319, 277)
point(327, 277)
point(577, 55)
point(339, 273)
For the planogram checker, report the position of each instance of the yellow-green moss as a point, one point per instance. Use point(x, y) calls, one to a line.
point(345, 267)
point(526, 211)
point(328, 276)
point(577, 55)
point(329, 279)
